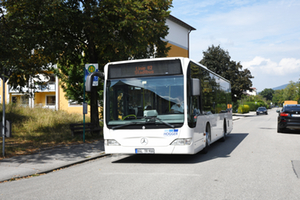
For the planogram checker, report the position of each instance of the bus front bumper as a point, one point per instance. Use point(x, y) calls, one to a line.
point(186, 149)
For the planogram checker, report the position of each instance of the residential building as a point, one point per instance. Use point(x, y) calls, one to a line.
point(251, 92)
point(178, 37)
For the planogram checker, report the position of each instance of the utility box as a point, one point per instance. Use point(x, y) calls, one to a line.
point(7, 129)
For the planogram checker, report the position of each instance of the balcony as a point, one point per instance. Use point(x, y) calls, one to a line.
point(47, 87)
point(17, 90)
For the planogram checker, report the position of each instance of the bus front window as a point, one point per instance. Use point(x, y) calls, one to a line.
point(129, 100)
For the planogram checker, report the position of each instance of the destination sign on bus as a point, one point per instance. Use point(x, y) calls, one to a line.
point(152, 68)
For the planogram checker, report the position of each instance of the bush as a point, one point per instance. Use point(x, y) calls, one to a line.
point(252, 106)
point(243, 109)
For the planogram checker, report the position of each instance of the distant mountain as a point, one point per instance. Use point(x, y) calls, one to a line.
point(280, 87)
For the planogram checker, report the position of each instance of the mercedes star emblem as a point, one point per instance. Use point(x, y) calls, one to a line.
point(144, 141)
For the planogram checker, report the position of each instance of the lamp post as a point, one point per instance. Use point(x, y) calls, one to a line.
point(3, 113)
point(5, 74)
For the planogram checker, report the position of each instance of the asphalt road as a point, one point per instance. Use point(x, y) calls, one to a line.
point(255, 162)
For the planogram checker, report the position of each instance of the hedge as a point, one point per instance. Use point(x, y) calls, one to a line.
point(253, 106)
point(243, 109)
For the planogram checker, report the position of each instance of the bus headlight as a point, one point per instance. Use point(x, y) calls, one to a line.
point(182, 141)
point(111, 142)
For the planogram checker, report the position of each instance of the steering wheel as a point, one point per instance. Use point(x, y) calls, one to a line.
point(177, 112)
point(132, 115)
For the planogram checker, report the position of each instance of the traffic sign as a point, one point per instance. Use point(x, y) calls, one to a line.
point(90, 68)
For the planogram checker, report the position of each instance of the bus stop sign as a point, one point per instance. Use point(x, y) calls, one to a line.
point(90, 68)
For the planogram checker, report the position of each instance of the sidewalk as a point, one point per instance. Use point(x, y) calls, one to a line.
point(49, 160)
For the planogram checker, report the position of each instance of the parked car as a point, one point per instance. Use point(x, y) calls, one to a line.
point(261, 110)
point(289, 118)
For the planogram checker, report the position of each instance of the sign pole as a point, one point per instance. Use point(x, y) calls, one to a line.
point(88, 69)
point(83, 105)
point(3, 117)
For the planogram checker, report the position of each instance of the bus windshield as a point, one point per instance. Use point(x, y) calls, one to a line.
point(155, 101)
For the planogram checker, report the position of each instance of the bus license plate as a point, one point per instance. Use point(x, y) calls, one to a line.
point(144, 151)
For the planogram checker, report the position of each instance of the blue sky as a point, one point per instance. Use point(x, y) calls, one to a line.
point(263, 35)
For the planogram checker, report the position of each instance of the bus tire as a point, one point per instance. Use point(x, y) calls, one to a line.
point(224, 132)
point(207, 138)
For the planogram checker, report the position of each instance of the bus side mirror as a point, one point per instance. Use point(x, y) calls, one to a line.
point(195, 87)
point(89, 80)
point(88, 83)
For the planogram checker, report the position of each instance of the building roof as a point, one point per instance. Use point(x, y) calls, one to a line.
point(178, 21)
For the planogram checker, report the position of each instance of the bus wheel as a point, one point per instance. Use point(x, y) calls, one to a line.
point(207, 139)
point(224, 132)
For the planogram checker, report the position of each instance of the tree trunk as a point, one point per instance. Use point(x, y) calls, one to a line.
point(94, 93)
point(94, 107)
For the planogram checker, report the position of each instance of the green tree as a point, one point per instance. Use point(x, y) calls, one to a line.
point(290, 92)
point(16, 53)
point(74, 32)
point(267, 93)
point(278, 97)
point(298, 91)
point(218, 60)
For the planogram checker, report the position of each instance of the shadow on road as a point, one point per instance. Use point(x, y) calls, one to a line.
point(216, 150)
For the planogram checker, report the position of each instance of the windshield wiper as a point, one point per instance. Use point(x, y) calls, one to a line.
point(153, 118)
point(166, 123)
point(123, 125)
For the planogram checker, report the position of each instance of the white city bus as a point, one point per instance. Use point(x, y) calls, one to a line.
point(164, 106)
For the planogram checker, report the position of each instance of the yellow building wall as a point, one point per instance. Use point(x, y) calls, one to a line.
point(6, 92)
point(1, 91)
point(176, 51)
point(40, 98)
point(18, 97)
point(63, 103)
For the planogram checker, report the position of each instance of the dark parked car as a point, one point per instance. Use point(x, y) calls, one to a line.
point(261, 110)
point(289, 118)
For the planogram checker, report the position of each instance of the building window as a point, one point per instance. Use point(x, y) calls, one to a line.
point(14, 99)
point(24, 100)
point(51, 78)
point(50, 100)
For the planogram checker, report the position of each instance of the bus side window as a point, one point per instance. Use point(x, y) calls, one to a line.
point(193, 109)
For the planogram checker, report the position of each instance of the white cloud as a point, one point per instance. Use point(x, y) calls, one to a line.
point(291, 65)
point(266, 66)
point(267, 29)
point(263, 35)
